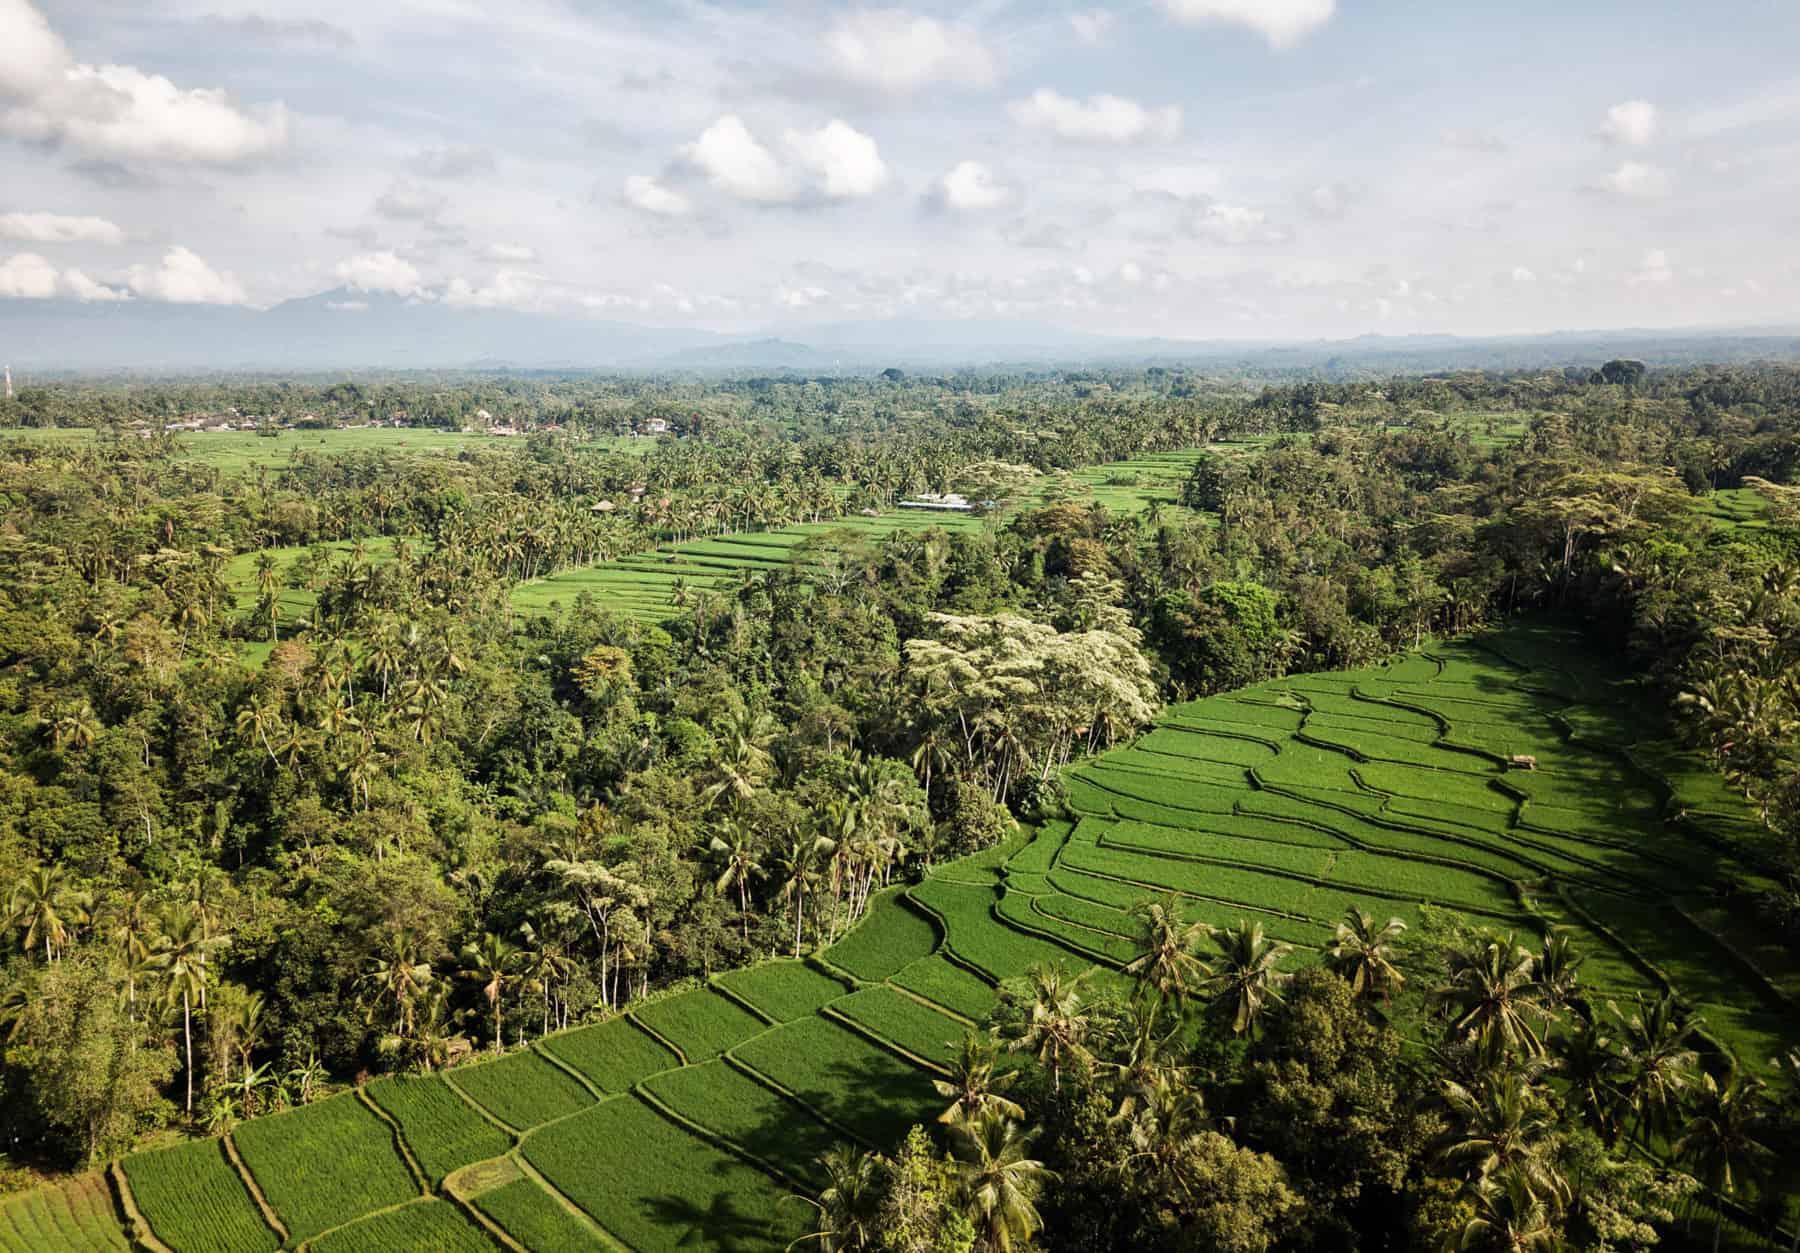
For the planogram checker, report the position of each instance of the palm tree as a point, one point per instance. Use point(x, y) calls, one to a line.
point(1559, 972)
point(737, 850)
point(1362, 953)
point(999, 1182)
point(1503, 1124)
point(1511, 1217)
point(1721, 1138)
point(973, 1086)
point(1492, 998)
point(1593, 1070)
point(397, 976)
point(1168, 963)
point(1165, 1116)
point(491, 963)
point(798, 864)
point(39, 909)
point(848, 1209)
point(1246, 979)
point(1658, 1064)
point(181, 956)
point(1055, 1026)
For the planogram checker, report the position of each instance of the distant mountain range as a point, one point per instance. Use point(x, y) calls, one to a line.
point(347, 330)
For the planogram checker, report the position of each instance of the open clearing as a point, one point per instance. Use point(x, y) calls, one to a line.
point(1285, 802)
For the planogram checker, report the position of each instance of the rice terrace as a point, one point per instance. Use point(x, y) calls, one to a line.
point(1396, 790)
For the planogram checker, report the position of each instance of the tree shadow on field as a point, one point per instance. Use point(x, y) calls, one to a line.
point(716, 1225)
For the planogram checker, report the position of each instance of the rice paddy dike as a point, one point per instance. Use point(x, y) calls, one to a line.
point(689, 1118)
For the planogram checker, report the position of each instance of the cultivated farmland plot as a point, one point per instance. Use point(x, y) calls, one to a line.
point(322, 1165)
point(1283, 804)
point(78, 1215)
point(195, 1199)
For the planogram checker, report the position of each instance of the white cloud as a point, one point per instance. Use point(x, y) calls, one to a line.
point(55, 228)
point(789, 297)
point(408, 201)
point(380, 272)
point(184, 279)
point(27, 276)
point(1632, 123)
point(1091, 25)
point(895, 51)
point(645, 194)
point(509, 289)
point(510, 254)
point(347, 306)
point(1230, 223)
point(969, 186)
point(1637, 181)
point(456, 161)
point(1282, 22)
point(1187, 182)
point(843, 159)
point(1329, 200)
point(736, 163)
point(1098, 119)
point(1654, 268)
point(118, 112)
point(85, 289)
point(32, 58)
point(1520, 274)
point(1131, 272)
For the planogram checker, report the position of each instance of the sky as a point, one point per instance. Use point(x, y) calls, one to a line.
point(1196, 169)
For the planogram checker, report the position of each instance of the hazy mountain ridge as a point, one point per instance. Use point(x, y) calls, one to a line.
point(346, 330)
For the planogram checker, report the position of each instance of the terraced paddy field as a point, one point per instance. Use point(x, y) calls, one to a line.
point(1734, 508)
point(653, 586)
point(685, 1121)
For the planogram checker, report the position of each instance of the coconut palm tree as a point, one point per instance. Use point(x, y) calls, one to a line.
point(1659, 1067)
point(973, 1086)
point(180, 953)
point(1559, 972)
point(1722, 1139)
point(1593, 1070)
point(1055, 1026)
point(799, 867)
point(397, 977)
point(1245, 980)
point(1362, 953)
point(491, 963)
point(1168, 964)
point(1503, 1123)
point(1164, 1118)
point(847, 1211)
point(1141, 1049)
point(1000, 1184)
point(1511, 1217)
point(1493, 1000)
point(40, 909)
point(740, 862)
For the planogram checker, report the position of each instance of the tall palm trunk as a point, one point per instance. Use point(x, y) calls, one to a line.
point(187, 1035)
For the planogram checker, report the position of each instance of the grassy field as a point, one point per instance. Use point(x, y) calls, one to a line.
point(1286, 802)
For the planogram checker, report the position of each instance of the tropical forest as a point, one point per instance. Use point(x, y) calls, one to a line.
point(989, 811)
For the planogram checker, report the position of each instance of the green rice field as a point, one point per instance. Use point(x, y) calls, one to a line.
point(1390, 788)
point(656, 585)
